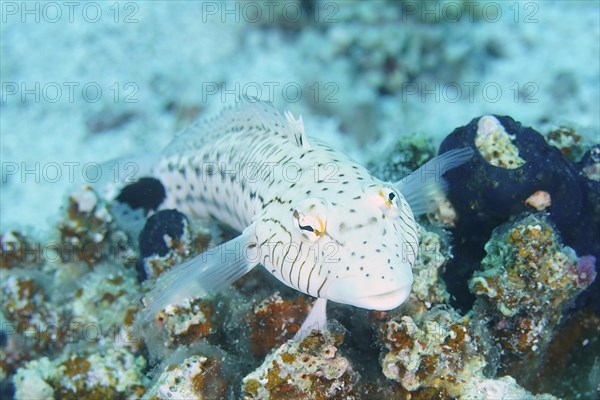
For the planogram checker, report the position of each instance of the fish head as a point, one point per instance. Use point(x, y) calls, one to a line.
point(356, 248)
point(378, 240)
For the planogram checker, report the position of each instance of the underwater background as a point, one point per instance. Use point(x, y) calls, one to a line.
point(505, 302)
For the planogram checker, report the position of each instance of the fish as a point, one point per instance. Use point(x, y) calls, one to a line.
point(313, 217)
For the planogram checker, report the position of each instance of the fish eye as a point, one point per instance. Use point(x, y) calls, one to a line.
point(310, 226)
point(391, 200)
point(391, 197)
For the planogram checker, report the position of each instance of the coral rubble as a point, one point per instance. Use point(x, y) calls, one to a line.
point(69, 323)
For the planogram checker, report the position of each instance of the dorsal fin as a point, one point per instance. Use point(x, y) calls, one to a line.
point(296, 132)
point(246, 115)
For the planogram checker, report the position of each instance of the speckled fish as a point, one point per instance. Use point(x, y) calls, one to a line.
point(314, 218)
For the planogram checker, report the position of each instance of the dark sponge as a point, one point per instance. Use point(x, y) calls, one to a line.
point(164, 222)
point(485, 196)
point(146, 193)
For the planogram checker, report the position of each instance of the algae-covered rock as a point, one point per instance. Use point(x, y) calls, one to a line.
point(528, 279)
point(407, 154)
point(437, 350)
point(111, 373)
point(311, 368)
point(88, 232)
point(504, 388)
point(197, 377)
point(275, 320)
point(428, 287)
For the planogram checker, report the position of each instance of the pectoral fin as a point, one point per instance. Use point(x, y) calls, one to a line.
point(204, 275)
point(315, 320)
point(425, 187)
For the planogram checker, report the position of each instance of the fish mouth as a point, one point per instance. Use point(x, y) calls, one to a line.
point(370, 293)
point(382, 301)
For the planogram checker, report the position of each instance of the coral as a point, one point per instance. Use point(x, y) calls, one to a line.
point(496, 145)
point(31, 381)
point(568, 141)
point(436, 350)
point(30, 323)
point(187, 322)
point(485, 195)
point(66, 297)
point(367, 71)
point(501, 388)
point(87, 231)
point(528, 279)
point(106, 299)
point(197, 377)
point(18, 251)
point(406, 154)
point(590, 164)
point(23, 300)
point(274, 321)
point(166, 240)
point(428, 288)
point(111, 373)
point(309, 369)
